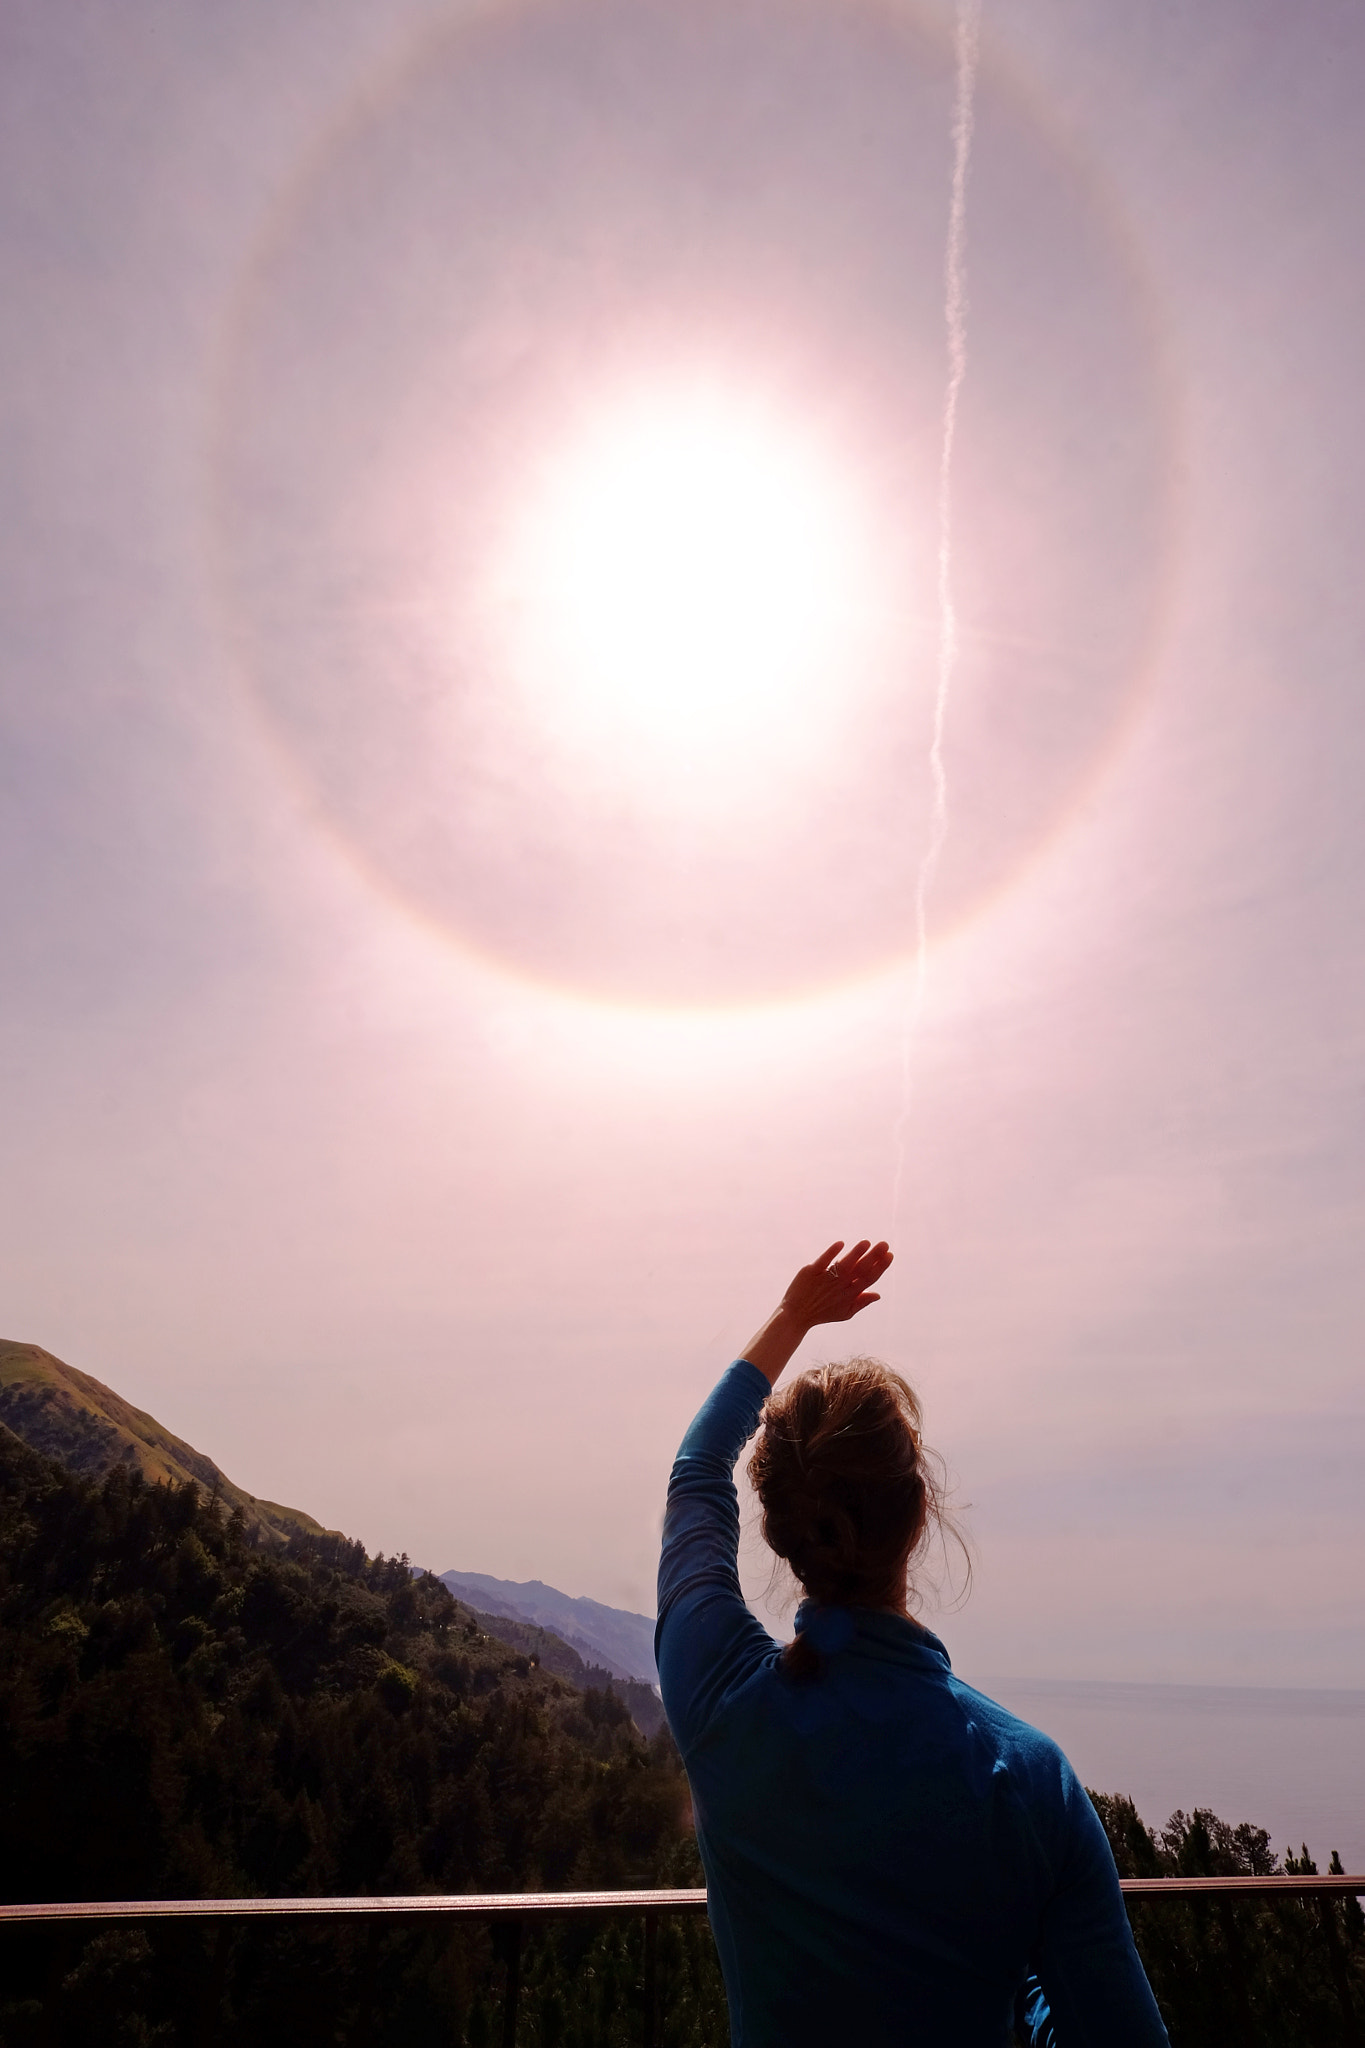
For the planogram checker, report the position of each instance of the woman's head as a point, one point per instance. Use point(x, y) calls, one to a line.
point(847, 1489)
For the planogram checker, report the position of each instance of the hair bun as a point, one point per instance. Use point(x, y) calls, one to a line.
point(844, 1489)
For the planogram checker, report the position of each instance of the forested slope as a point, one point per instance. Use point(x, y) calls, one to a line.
point(553, 1654)
point(92, 1431)
point(188, 1709)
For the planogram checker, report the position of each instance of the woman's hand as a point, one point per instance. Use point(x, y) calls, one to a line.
point(829, 1290)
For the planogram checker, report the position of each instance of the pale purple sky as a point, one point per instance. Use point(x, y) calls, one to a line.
point(413, 1096)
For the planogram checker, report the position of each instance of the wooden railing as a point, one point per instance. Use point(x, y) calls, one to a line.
point(513, 1911)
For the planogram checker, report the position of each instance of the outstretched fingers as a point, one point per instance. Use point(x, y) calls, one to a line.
point(849, 1263)
point(833, 1288)
point(866, 1262)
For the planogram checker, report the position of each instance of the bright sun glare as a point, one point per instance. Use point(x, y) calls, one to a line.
point(684, 591)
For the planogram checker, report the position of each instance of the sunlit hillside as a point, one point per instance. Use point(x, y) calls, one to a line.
point(91, 1430)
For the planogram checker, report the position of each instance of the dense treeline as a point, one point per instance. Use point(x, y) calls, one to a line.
point(1266, 1973)
point(188, 1709)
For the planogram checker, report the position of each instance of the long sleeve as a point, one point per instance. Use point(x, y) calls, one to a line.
point(1089, 1989)
point(706, 1640)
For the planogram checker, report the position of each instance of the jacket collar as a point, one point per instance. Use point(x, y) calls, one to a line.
point(871, 1631)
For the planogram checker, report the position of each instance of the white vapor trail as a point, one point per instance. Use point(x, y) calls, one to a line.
point(967, 49)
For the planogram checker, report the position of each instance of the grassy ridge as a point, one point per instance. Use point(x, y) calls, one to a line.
point(91, 1430)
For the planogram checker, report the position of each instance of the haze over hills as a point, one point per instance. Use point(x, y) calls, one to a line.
point(614, 1637)
point(549, 1651)
point(88, 1428)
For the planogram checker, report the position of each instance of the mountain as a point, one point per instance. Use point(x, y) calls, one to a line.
point(613, 1637)
point(91, 1430)
point(551, 1653)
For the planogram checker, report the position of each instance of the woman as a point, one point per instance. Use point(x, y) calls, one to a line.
point(890, 1857)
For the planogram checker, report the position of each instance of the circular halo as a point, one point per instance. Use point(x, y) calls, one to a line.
point(711, 238)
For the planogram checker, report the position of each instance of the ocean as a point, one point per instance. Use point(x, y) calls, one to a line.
point(1291, 1761)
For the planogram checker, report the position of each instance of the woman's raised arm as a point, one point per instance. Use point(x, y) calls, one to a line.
point(829, 1290)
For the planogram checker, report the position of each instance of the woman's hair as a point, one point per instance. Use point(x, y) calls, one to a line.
point(847, 1488)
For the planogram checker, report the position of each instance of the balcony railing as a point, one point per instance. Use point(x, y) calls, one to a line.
point(513, 1911)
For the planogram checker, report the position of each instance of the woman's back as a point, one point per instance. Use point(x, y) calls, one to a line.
point(889, 1854)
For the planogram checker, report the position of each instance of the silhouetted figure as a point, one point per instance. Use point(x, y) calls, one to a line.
point(891, 1857)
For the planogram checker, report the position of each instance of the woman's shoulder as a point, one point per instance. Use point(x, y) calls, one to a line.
point(1021, 1748)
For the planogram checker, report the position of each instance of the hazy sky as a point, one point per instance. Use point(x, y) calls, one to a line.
point(449, 984)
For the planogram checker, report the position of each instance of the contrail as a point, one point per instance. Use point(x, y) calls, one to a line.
point(967, 49)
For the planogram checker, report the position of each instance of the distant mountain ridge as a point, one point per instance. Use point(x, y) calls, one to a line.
point(551, 1653)
point(88, 1428)
point(613, 1637)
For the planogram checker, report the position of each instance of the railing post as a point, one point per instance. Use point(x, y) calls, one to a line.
point(1340, 1976)
point(61, 1949)
point(512, 1990)
point(651, 1980)
point(213, 1986)
point(1232, 1941)
point(366, 2030)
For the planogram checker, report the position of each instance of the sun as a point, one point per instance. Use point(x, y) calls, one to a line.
point(683, 589)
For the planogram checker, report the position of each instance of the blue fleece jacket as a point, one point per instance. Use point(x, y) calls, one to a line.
point(890, 1857)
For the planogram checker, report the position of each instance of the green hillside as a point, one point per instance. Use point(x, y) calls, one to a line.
point(91, 1430)
point(553, 1654)
point(186, 1710)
